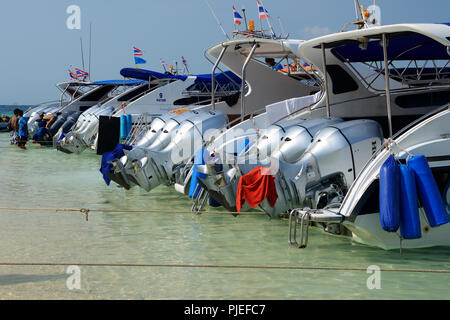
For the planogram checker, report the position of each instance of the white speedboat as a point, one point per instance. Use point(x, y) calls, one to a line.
point(410, 85)
point(82, 96)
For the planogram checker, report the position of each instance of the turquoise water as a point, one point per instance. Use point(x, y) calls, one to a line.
point(8, 110)
point(45, 178)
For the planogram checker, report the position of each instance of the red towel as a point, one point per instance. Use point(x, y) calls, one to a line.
point(255, 186)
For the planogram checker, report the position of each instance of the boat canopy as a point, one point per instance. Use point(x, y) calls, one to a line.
point(143, 74)
point(401, 46)
point(405, 42)
point(120, 82)
point(223, 77)
point(265, 48)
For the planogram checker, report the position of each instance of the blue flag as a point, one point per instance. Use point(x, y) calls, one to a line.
point(138, 60)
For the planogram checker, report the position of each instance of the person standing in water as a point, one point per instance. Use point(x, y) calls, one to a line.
point(23, 130)
point(13, 127)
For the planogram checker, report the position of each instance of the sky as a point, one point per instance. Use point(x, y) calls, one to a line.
point(37, 47)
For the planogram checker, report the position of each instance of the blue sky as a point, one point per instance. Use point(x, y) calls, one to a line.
point(37, 47)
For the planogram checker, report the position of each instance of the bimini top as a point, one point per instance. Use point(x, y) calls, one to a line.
point(143, 74)
point(274, 48)
point(126, 82)
point(224, 77)
point(405, 42)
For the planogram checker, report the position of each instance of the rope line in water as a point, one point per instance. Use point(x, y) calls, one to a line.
point(215, 266)
point(86, 211)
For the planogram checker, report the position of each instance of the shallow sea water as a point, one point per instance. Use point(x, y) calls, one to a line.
point(45, 178)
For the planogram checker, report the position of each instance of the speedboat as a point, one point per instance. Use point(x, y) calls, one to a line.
point(4, 122)
point(82, 134)
point(83, 95)
point(354, 207)
point(70, 91)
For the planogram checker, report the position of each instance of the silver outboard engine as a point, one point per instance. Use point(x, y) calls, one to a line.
point(161, 131)
point(287, 143)
point(58, 123)
point(70, 122)
point(83, 133)
point(160, 167)
point(327, 168)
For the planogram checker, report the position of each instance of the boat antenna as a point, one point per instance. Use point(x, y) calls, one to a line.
point(245, 19)
point(90, 47)
point(281, 25)
point(217, 19)
point(82, 55)
point(357, 10)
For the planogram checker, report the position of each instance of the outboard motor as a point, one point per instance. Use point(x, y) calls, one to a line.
point(160, 167)
point(161, 131)
point(58, 124)
point(88, 132)
point(83, 132)
point(327, 168)
point(295, 138)
point(85, 117)
point(70, 122)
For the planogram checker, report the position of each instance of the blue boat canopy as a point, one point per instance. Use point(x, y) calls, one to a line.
point(401, 46)
point(126, 82)
point(225, 77)
point(143, 74)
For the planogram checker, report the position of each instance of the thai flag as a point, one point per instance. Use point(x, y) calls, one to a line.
point(262, 12)
point(163, 62)
point(183, 60)
point(137, 52)
point(72, 75)
point(138, 60)
point(237, 17)
point(81, 72)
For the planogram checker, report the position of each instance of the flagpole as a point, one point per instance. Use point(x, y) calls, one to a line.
point(90, 48)
point(268, 19)
point(217, 19)
point(281, 26)
point(82, 54)
point(245, 19)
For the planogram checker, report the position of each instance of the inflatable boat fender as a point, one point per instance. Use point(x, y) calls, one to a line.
point(129, 124)
point(409, 210)
point(123, 127)
point(198, 160)
point(429, 194)
point(390, 195)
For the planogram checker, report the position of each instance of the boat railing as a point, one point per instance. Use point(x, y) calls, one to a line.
point(412, 73)
point(139, 128)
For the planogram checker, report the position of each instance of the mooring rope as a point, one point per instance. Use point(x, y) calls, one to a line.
point(86, 211)
point(218, 266)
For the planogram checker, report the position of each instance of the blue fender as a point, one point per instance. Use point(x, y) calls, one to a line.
point(390, 195)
